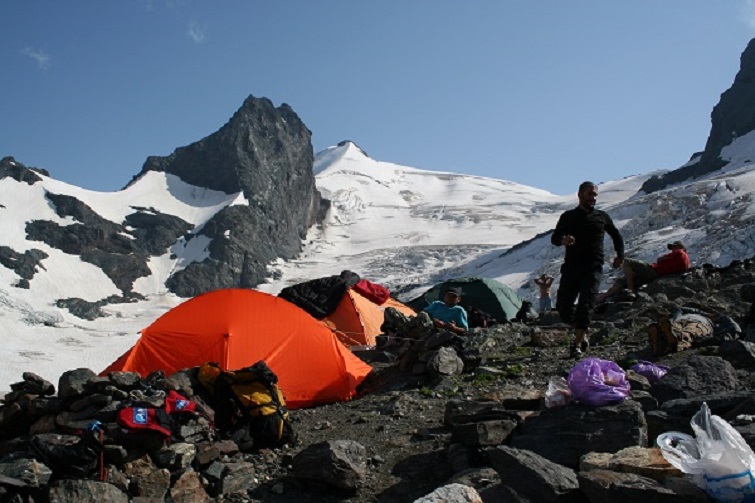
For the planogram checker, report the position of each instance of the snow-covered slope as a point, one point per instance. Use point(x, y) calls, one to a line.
point(399, 226)
point(40, 337)
point(410, 228)
point(404, 226)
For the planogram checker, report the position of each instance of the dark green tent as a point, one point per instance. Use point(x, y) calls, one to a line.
point(485, 294)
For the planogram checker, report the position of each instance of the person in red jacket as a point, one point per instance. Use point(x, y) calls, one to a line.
point(638, 273)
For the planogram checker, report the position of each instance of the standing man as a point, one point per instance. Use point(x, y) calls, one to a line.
point(582, 231)
point(544, 283)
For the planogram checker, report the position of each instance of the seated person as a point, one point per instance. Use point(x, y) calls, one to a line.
point(447, 313)
point(638, 273)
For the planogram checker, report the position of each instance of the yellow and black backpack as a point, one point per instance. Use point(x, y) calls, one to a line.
point(249, 397)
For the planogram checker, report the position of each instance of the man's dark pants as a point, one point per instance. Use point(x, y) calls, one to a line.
point(582, 282)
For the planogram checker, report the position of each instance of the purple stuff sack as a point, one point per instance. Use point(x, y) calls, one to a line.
point(651, 371)
point(598, 382)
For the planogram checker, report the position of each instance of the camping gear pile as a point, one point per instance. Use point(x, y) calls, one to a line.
point(148, 437)
point(351, 306)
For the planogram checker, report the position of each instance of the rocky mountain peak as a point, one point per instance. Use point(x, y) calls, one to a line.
point(732, 118)
point(9, 167)
point(258, 137)
point(266, 153)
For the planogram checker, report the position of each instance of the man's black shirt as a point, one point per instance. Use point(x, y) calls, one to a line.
point(588, 228)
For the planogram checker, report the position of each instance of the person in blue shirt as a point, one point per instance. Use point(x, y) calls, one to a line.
point(447, 314)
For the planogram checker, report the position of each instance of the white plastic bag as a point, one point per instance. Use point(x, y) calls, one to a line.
point(719, 460)
point(558, 393)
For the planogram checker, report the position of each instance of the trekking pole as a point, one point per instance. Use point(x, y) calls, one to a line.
point(103, 470)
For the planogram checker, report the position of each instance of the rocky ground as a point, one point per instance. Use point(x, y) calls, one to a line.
point(400, 418)
point(421, 432)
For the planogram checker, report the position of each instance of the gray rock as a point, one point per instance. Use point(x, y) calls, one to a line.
point(444, 362)
point(30, 471)
point(645, 399)
point(338, 463)
point(72, 383)
point(188, 489)
point(85, 491)
point(698, 375)
point(602, 485)
point(564, 434)
point(146, 479)
point(237, 478)
point(462, 411)
point(532, 475)
point(483, 433)
point(458, 493)
point(741, 354)
point(175, 457)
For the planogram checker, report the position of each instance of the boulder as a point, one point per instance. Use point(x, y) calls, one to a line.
point(697, 375)
point(563, 435)
point(532, 475)
point(338, 463)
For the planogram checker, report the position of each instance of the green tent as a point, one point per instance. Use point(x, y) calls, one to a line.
point(485, 294)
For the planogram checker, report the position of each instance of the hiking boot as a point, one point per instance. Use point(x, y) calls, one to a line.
point(585, 344)
point(79, 459)
point(575, 352)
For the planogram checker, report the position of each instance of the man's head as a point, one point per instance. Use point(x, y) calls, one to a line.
point(452, 295)
point(587, 195)
point(676, 245)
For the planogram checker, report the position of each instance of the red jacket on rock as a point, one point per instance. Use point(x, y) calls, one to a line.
point(671, 263)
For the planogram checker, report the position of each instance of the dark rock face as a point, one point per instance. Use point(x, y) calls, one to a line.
point(732, 117)
point(10, 168)
point(563, 435)
point(699, 375)
point(263, 152)
point(266, 153)
point(104, 243)
point(24, 264)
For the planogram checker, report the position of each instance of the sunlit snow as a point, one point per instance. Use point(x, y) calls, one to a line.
point(399, 226)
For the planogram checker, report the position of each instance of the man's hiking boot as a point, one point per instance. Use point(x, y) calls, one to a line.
point(574, 351)
point(79, 459)
point(585, 344)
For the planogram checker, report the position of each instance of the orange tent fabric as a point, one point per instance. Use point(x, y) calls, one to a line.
point(237, 328)
point(357, 320)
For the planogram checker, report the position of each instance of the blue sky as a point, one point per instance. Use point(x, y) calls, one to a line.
point(546, 93)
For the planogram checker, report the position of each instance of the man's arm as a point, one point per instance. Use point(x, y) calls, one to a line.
point(618, 242)
point(560, 231)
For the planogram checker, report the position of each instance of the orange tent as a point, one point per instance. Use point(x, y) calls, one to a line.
point(357, 320)
point(237, 328)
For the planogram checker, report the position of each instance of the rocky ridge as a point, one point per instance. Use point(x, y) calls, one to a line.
point(731, 118)
point(482, 435)
point(263, 153)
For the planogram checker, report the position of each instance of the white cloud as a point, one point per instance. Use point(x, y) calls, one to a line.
point(195, 32)
point(41, 57)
